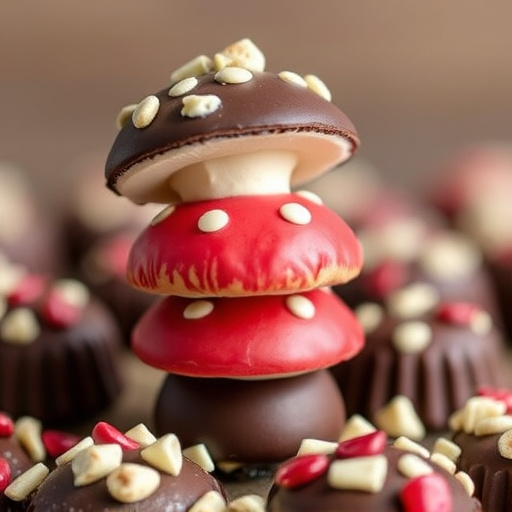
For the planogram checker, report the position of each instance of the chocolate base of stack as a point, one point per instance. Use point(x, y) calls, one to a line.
point(250, 421)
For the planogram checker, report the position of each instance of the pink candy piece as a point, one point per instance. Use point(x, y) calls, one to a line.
point(57, 442)
point(301, 470)
point(385, 278)
point(5, 474)
point(500, 394)
point(29, 289)
point(369, 444)
point(458, 313)
point(6, 425)
point(427, 493)
point(104, 433)
point(59, 312)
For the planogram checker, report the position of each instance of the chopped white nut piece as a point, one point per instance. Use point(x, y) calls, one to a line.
point(212, 501)
point(466, 481)
point(95, 462)
point(23, 485)
point(28, 433)
point(20, 327)
point(311, 196)
point(183, 86)
point(478, 408)
point(444, 462)
point(412, 466)
point(447, 448)
point(233, 75)
point(370, 315)
point(316, 446)
point(411, 337)
point(300, 306)
point(141, 435)
point(412, 300)
point(292, 78)
point(481, 322)
point(161, 216)
point(145, 111)
point(199, 454)
point(125, 114)
point(399, 418)
point(199, 65)
point(10, 276)
point(455, 420)
point(404, 443)
point(494, 425)
point(73, 292)
point(505, 444)
point(198, 309)
point(164, 454)
point(358, 474)
point(356, 426)
point(195, 105)
point(318, 86)
point(132, 482)
point(247, 503)
point(295, 213)
point(70, 454)
point(213, 220)
point(243, 53)
point(228, 466)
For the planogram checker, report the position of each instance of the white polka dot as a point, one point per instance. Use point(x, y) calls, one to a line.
point(307, 194)
point(300, 306)
point(214, 220)
point(198, 309)
point(412, 300)
point(161, 216)
point(145, 111)
point(412, 337)
point(295, 213)
point(370, 316)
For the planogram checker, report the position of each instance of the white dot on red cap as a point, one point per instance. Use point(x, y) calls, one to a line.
point(295, 213)
point(300, 306)
point(198, 309)
point(307, 194)
point(211, 221)
point(161, 216)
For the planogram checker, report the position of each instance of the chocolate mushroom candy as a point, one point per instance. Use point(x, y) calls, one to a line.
point(228, 132)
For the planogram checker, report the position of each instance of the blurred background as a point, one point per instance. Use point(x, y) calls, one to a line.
point(418, 79)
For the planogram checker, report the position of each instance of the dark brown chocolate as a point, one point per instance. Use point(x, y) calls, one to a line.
point(318, 495)
point(250, 421)
point(438, 379)
point(175, 494)
point(264, 105)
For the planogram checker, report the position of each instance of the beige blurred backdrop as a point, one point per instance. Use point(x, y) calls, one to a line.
point(418, 78)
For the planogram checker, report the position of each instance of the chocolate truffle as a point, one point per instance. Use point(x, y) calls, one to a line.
point(434, 352)
point(362, 475)
point(250, 421)
point(482, 433)
point(130, 479)
point(59, 349)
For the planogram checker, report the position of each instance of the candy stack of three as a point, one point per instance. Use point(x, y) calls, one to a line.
point(249, 324)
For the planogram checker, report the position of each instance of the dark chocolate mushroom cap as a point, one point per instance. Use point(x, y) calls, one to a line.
point(267, 112)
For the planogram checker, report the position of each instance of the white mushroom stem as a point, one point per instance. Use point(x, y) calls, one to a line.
point(255, 173)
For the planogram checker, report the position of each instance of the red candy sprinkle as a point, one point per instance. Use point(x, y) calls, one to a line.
point(6, 425)
point(369, 444)
point(458, 313)
point(385, 278)
point(427, 493)
point(104, 433)
point(57, 311)
point(301, 470)
point(57, 442)
point(28, 290)
point(500, 394)
point(5, 474)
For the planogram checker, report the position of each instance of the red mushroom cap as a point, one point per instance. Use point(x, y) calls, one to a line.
point(239, 246)
point(265, 112)
point(267, 336)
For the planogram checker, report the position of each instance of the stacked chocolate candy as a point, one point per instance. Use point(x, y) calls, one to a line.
point(249, 324)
